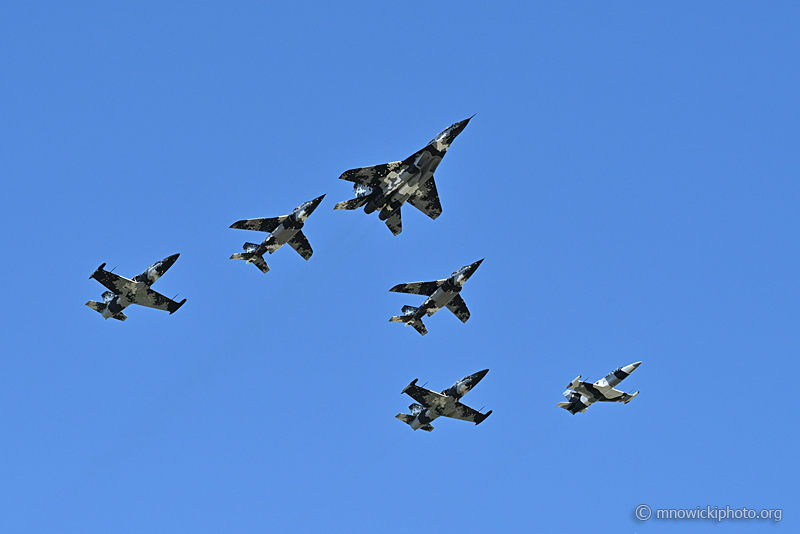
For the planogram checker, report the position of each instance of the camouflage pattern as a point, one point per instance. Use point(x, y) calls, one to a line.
point(386, 187)
point(440, 293)
point(581, 395)
point(282, 230)
point(445, 404)
point(124, 292)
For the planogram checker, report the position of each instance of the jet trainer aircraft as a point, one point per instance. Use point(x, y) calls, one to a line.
point(124, 292)
point(440, 293)
point(432, 405)
point(584, 394)
point(282, 230)
point(388, 186)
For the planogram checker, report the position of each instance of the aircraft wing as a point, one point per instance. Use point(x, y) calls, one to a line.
point(602, 394)
point(418, 288)
point(113, 282)
point(459, 308)
point(153, 299)
point(426, 199)
point(259, 225)
point(373, 176)
point(465, 413)
point(300, 243)
point(423, 396)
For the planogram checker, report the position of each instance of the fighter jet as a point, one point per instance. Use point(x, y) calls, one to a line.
point(581, 395)
point(440, 293)
point(432, 405)
point(388, 186)
point(282, 230)
point(124, 292)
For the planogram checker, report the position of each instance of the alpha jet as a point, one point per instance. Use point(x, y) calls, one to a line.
point(283, 230)
point(445, 404)
point(385, 188)
point(124, 292)
point(440, 293)
point(581, 395)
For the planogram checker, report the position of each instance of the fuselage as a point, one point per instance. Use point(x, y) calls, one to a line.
point(417, 169)
point(448, 402)
point(287, 229)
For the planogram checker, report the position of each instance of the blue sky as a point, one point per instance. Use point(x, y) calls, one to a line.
point(630, 178)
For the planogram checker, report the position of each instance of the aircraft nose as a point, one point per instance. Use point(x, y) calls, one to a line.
point(168, 261)
point(477, 377)
point(632, 367)
point(471, 268)
point(458, 128)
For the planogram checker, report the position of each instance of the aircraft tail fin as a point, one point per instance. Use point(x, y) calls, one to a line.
point(352, 204)
point(249, 257)
point(407, 419)
point(99, 307)
point(408, 319)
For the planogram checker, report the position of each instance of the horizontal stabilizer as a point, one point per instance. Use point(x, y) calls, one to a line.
point(258, 261)
point(630, 398)
point(99, 307)
point(395, 222)
point(404, 417)
point(427, 428)
point(352, 204)
point(564, 405)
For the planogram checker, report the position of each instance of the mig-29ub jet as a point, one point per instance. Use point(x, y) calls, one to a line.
point(440, 293)
point(581, 395)
point(282, 230)
point(388, 186)
point(124, 292)
point(432, 405)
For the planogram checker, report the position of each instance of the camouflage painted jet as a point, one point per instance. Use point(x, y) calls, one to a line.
point(445, 404)
point(282, 230)
point(124, 292)
point(440, 293)
point(584, 394)
point(388, 186)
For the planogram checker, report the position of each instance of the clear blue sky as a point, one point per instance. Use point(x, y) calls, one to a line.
point(631, 178)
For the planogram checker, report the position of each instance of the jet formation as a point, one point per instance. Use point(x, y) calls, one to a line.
point(581, 395)
point(440, 293)
point(124, 292)
point(386, 187)
point(445, 404)
point(282, 230)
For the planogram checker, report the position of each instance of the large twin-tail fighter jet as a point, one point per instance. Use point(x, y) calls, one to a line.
point(124, 292)
point(581, 395)
point(282, 230)
point(440, 293)
point(445, 404)
point(385, 188)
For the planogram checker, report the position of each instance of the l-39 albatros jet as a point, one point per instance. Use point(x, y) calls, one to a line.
point(440, 293)
point(124, 292)
point(388, 186)
point(282, 230)
point(581, 395)
point(445, 404)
